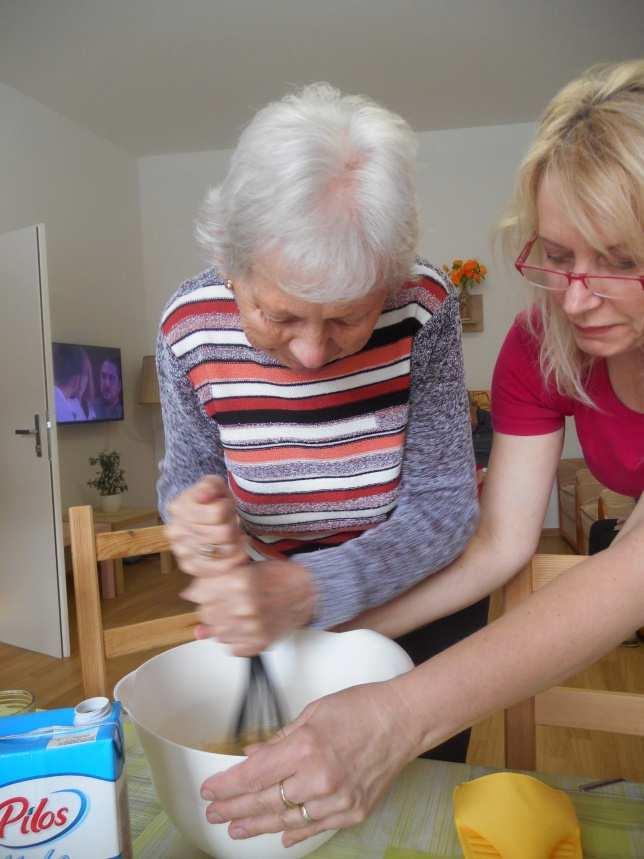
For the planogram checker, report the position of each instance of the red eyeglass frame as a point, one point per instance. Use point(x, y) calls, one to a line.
point(520, 265)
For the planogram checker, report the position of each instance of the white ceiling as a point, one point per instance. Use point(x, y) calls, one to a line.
point(159, 76)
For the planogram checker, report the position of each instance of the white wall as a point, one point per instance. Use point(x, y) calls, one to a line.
point(171, 189)
point(465, 179)
point(85, 190)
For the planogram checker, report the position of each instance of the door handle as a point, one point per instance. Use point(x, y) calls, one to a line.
point(35, 432)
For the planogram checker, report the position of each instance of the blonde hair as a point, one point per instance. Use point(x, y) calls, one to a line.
point(591, 138)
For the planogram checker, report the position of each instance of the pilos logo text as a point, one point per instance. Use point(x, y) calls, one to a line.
point(26, 823)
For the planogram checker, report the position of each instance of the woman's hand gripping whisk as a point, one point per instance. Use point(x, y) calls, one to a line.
point(204, 530)
point(210, 545)
point(244, 604)
point(207, 512)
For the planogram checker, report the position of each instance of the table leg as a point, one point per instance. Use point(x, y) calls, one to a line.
point(108, 581)
point(119, 576)
point(167, 558)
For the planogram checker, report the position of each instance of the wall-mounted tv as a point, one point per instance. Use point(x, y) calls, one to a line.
point(88, 383)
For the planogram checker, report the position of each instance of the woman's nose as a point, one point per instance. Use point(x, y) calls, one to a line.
point(578, 299)
point(310, 351)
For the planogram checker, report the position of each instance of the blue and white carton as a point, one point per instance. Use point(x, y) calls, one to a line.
point(62, 784)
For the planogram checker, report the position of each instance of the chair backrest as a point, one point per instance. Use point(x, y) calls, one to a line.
point(480, 398)
point(95, 643)
point(564, 706)
point(612, 505)
point(587, 490)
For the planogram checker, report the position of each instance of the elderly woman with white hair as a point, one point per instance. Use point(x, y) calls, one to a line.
point(312, 381)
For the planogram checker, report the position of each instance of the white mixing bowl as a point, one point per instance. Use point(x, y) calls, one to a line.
point(189, 696)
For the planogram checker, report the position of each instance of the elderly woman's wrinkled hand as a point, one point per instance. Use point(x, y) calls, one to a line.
point(326, 770)
point(247, 605)
point(204, 530)
point(254, 604)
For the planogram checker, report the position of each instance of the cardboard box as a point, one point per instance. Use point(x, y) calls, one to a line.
point(62, 785)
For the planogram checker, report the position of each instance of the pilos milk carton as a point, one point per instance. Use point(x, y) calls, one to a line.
point(62, 784)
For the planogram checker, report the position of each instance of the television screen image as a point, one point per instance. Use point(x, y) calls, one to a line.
point(88, 383)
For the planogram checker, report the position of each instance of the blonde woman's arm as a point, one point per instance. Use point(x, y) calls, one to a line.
point(515, 498)
point(341, 753)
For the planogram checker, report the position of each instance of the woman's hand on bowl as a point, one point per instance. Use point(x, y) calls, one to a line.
point(254, 604)
point(204, 530)
point(335, 761)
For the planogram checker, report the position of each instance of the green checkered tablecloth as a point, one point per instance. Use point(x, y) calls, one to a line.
point(415, 821)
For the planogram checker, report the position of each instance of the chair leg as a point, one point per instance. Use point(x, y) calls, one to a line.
point(520, 727)
point(166, 558)
point(167, 562)
point(119, 576)
point(88, 604)
point(108, 581)
point(520, 736)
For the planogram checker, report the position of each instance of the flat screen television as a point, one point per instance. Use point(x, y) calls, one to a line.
point(88, 383)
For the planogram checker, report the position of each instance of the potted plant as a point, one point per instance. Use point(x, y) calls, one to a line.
point(109, 480)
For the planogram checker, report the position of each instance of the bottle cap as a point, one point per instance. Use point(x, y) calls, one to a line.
point(91, 711)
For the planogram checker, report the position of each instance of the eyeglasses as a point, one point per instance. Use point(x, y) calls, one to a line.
point(615, 287)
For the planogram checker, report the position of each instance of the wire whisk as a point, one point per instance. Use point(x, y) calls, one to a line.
point(260, 714)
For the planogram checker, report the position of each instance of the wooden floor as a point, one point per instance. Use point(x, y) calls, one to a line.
point(56, 683)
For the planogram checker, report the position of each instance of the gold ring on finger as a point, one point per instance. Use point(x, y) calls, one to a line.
point(307, 817)
point(209, 550)
point(287, 802)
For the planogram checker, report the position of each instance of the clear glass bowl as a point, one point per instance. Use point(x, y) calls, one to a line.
point(13, 702)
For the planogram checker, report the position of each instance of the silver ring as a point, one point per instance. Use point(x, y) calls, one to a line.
point(287, 802)
point(305, 813)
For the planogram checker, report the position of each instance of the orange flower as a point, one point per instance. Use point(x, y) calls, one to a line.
point(470, 267)
point(466, 274)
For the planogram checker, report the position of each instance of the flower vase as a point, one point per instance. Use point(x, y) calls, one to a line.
point(111, 503)
point(465, 304)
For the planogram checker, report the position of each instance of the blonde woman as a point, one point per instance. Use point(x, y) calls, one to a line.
point(578, 223)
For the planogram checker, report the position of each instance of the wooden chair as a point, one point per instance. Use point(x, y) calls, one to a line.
point(96, 644)
point(481, 399)
point(566, 473)
point(587, 490)
point(594, 710)
point(612, 505)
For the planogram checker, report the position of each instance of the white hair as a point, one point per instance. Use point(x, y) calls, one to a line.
point(324, 184)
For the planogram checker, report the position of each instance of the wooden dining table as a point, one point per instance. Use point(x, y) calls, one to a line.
point(414, 821)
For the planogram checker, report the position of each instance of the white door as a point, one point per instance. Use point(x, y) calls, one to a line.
point(33, 599)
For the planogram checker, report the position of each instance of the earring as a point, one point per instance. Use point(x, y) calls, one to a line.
point(229, 285)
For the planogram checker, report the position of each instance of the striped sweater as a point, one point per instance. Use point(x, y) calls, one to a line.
point(361, 470)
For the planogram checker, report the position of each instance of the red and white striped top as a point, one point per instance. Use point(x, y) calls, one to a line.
point(313, 458)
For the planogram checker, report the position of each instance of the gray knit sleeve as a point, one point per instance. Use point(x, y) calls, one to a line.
point(192, 445)
point(437, 510)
